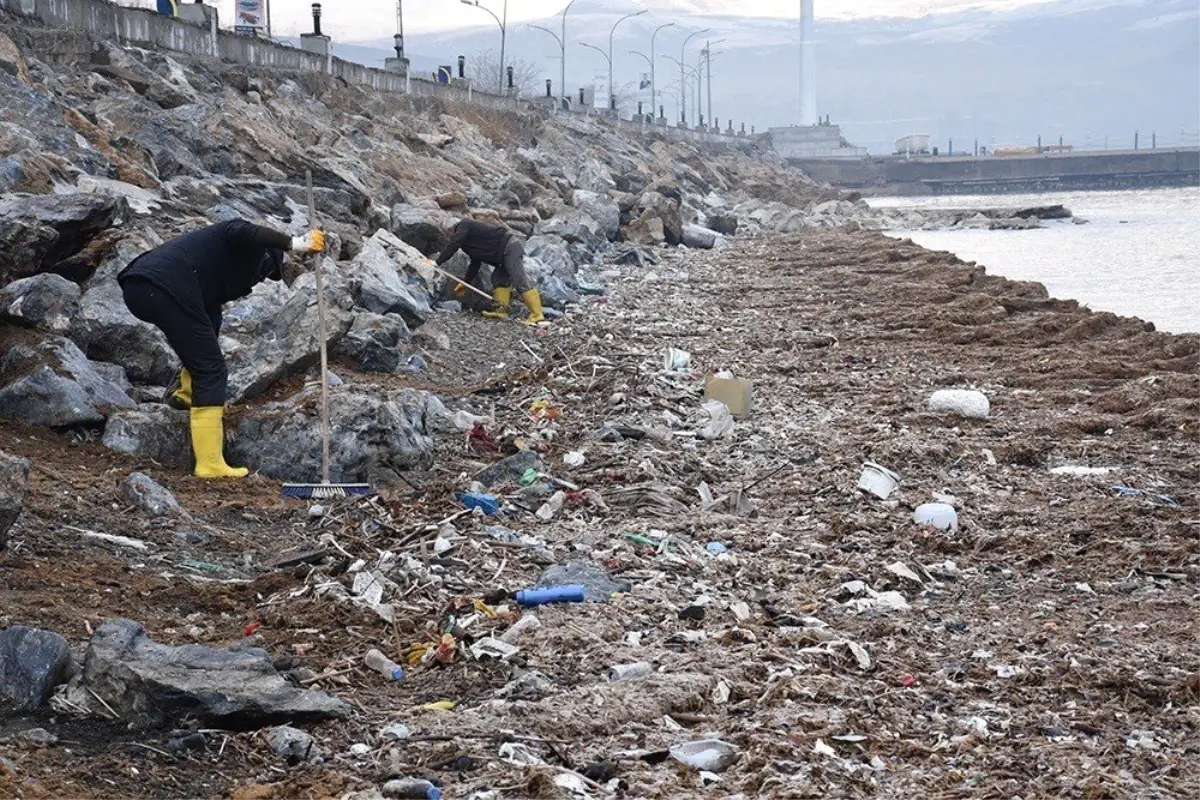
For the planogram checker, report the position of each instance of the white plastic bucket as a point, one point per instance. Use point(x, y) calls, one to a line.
point(878, 480)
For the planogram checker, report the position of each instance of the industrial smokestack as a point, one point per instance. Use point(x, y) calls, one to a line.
point(808, 66)
point(316, 12)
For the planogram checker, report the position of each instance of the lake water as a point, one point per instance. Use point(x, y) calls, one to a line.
point(1139, 254)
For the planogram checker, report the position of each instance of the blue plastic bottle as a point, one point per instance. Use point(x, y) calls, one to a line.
point(568, 593)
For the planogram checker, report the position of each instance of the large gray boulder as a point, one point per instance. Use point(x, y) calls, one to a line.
point(590, 175)
point(151, 432)
point(387, 277)
point(14, 478)
point(373, 437)
point(723, 223)
point(33, 663)
point(107, 331)
point(148, 683)
point(375, 343)
point(655, 205)
point(41, 232)
point(50, 301)
point(573, 225)
point(555, 253)
point(419, 227)
point(262, 351)
point(145, 493)
point(52, 383)
point(600, 208)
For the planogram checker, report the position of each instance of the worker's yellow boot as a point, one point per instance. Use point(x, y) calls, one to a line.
point(503, 297)
point(179, 393)
point(533, 301)
point(208, 444)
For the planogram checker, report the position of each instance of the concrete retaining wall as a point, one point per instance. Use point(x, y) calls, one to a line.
point(138, 26)
point(1034, 173)
point(146, 28)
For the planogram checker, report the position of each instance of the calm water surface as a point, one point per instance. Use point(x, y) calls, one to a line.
point(1139, 254)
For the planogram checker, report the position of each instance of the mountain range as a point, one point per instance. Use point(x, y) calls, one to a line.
point(1089, 71)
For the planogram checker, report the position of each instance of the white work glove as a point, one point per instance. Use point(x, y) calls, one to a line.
point(311, 242)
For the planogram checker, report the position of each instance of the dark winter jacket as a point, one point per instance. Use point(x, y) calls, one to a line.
point(203, 269)
point(480, 241)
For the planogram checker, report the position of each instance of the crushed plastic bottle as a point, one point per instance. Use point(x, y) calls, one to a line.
point(528, 622)
point(710, 755)
point(489, 504)
point(383, 665)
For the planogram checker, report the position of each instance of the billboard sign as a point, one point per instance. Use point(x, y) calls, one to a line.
point(250, 17)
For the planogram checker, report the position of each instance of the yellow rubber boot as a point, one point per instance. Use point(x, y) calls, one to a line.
point(503, 297)
point(179, 393)
point(533, 301)
point(208, 444)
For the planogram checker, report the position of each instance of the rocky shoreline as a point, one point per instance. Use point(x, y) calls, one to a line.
point(181, 638)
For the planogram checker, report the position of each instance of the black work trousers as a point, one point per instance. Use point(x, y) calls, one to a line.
point(512, 271)
point(193, 337)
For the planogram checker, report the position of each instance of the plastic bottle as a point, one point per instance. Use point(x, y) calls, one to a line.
point(528, 622)
point(411, 788)
point(569, 593)
point(384, 666)
point(626, 672)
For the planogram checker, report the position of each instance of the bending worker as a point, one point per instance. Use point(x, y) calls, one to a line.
point(490, 244)
point(180, 287)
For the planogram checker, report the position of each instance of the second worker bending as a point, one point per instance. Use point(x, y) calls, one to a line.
point(497, 246)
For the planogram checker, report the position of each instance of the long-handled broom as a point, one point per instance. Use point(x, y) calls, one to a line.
point(324, 489)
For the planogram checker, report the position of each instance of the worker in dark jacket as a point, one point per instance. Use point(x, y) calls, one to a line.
point(489, 244)
point(180, 287)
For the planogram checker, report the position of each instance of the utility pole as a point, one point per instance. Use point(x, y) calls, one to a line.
point(399, 28)
point(708, 63)
point(653, 84)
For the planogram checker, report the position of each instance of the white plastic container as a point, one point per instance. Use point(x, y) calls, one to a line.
point(939, 515)
point(878, 480)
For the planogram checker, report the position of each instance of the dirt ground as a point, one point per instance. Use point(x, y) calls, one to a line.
point(1048, 647)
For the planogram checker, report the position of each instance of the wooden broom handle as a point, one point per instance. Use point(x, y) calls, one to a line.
point(313, 224)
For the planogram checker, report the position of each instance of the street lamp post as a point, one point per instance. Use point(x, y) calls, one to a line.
point(609, 58)
point(647, 59)
point(684, 86)
point(611, 97)
point(653, 84)
point(563, 41)
point(682, 59)
point(562, 48)
point(503, 23)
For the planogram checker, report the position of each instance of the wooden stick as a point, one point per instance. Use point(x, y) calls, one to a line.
point(312, 219)
point(479, 292)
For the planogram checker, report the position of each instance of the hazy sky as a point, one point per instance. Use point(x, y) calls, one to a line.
point(356, 20)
